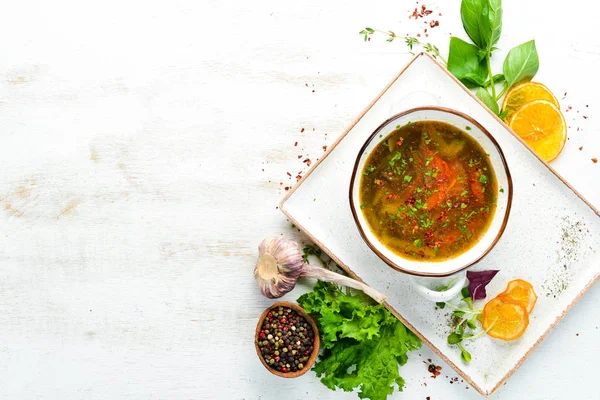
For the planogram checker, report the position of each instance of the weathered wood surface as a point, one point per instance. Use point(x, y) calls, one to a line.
point(133, 138)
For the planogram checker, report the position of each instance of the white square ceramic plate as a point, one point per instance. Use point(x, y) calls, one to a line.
point(550, 240)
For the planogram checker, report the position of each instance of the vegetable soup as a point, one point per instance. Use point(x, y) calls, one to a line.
point(428, 191)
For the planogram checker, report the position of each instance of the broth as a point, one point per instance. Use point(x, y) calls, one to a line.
point(428, 191)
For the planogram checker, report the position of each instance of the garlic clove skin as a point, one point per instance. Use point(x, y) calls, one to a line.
point(278, 267)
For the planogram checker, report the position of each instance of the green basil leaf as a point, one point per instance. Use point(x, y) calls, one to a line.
point(497, 79)
point(464, 64)
point(521, 63)
point(488, 100)
point(491, 23)
point(470, 14)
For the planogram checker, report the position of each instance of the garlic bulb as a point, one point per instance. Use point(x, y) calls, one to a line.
point(280, 264)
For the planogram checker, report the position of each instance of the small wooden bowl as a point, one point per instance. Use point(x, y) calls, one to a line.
point(316, 343)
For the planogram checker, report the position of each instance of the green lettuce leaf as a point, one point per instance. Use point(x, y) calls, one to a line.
point(364, 344)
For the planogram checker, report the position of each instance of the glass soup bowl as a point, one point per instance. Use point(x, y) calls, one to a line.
point(453, 267)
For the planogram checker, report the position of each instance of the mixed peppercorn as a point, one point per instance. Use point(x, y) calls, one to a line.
point(286, 340)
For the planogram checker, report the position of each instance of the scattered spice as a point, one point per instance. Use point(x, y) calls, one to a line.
point(581, 148)
point(434, 370)
point(287, 188)
point(301, 130)
point(572, 234)
point(324, 148)
point(594, 160)
point(296, 144)
point(584, 117)
point(285, 340)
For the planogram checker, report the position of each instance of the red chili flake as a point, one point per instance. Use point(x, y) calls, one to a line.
point(577, 334)
point(425, 30)
point(368, 40)
point(577, 129)
point(440, 14)
point(587, 105)
point(286, 188)
point(300, 156)
point(418, 35)
point(298, 178)
point(280, 183)
point(263, 170)
point(433, 24)
point(378, 182)
point(584, 117)
point(301, 130)
point(400, 141)
point(288, 174)
point(296, 144)
point(391, 196)
point(581, 148)
point(565, 95)
point(324, 148)
point(314, 89)
point(594, 160)
point(427, 12)
point(307, 161)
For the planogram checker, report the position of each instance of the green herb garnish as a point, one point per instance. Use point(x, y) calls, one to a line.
point(358, 335)
point(470, 62)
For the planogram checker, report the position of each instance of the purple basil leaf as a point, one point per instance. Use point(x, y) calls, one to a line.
point(478, 280)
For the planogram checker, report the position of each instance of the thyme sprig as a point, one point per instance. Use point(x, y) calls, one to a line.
point(411, 42)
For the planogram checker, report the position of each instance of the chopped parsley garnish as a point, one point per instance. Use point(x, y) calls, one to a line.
point(501, 190)
point(395, 158)
point(468, 128)
point(369, 169)
point(418, 243)
point(407, 178)
point(464, 192)
point(463, 205)
point(428, 160)
point(419, 190)
point(362, 206)
point(483, 179)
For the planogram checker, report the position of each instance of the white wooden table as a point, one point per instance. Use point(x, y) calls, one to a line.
point(143, 145)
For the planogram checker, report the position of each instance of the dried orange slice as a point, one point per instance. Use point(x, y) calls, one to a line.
point(522, 292)
point(542, 126)
point(509, 318)
point(524, 93)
